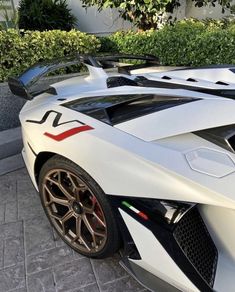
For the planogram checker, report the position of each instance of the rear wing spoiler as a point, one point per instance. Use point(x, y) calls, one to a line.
point(22, 86)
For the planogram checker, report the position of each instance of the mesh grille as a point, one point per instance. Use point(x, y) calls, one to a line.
point(120, 81)
point(192, 236)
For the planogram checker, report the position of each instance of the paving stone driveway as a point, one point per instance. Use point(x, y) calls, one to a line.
point(33, 258)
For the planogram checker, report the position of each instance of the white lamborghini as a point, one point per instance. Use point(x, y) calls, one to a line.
point(138, 158)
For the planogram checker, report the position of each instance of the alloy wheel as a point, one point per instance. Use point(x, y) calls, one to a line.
point(74, 211)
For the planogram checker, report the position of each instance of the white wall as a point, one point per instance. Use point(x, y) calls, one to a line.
point(92, 21)
point(9, 12)
point(204, 12)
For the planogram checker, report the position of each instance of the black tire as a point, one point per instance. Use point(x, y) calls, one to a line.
point(83, 230)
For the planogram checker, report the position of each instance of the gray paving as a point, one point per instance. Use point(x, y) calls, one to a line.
point(34, 259)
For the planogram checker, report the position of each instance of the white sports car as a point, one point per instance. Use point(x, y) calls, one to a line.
point(141, 159)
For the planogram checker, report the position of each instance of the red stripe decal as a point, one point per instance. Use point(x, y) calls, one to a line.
point(68, 133)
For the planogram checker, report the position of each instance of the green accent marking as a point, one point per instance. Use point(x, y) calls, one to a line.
point(126, 204)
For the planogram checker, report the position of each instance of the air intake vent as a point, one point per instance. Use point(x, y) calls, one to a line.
point(231, 142)
point(222, 136)
point(114, 109)
point(193, 238)
point(191, 80)
point(166, 77)
point(221, 83)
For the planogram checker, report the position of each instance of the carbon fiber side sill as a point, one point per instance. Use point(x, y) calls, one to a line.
point(145, 278)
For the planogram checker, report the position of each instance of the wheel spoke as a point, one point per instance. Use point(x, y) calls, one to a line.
point(83, 241)
point(99, 234)
point(59, 176)
point(87, 223)
point(66, 217)
point(99, 219)
point(78, 226)
point(53, 181)
point(70, 177)
point(91, 230)
point(56, 216)
point(55, 199)
point(78, 229)
point(88, 210)
point(66, 193)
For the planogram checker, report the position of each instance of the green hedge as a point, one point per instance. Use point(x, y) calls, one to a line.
point(188, 42)
point(19, 50)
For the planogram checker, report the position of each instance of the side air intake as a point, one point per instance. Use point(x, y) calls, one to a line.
point(195, 241)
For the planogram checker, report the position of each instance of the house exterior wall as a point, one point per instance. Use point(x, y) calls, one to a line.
point(108, 21)
point(100, 23)
point(205, 12)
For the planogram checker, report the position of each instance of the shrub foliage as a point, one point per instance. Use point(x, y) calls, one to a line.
point(45, 15)
point(147, 14)
point(19, 50)
point(187, 43)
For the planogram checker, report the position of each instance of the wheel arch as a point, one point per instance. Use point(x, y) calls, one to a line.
point(41, 159)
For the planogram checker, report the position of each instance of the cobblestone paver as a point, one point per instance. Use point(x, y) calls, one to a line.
point(34, 259)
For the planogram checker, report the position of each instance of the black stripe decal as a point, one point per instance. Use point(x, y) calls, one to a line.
point(56, 120)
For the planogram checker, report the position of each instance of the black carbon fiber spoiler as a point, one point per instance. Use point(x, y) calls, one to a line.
point(22, 86)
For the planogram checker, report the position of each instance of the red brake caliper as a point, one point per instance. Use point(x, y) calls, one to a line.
point(98, 212)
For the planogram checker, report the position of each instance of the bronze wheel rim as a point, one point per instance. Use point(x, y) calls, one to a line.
point(74, 211)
